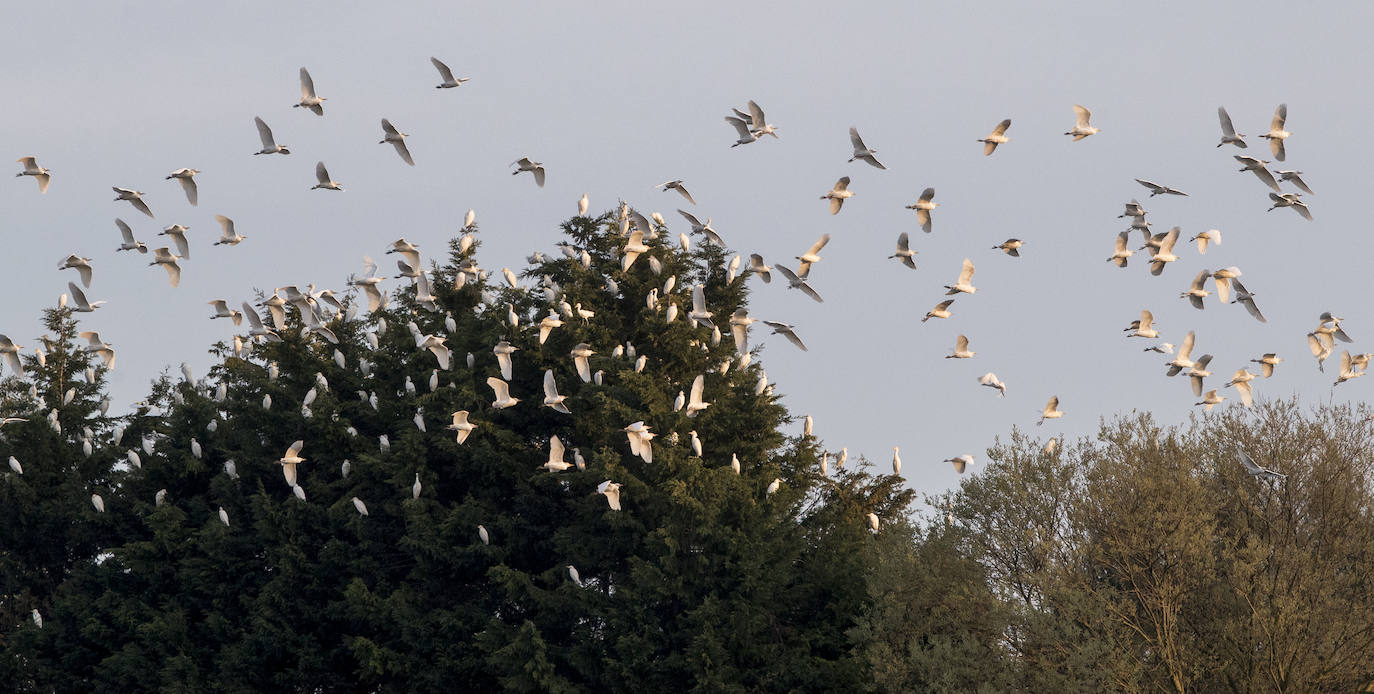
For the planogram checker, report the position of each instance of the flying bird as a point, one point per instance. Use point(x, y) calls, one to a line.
point(1122, 254)
point(961, 350)
point(308, 98)
point(1229, 136)
point(1247, 299)
point(534, 167)
point(447, 75)
point(186, 177)
point(796, 282)
point(998, 136)
point(838, 194)
point(1294, 177)
point(1257, 166)
point(1202, 239)
point(786, 331)
point(269, 145)
point(1157, 189)
point(1051, 410)
point(677, 185)
point(40, 174)
point(757, 266)
point(461, 425)
point(923, 206)
point(1277, 134)
point(695, 403)
point(611, 490)
point(502, 391)
point(163, 256)
point(81, 265)
point(397, 139)
point(1267, 363)
point(1081, 127)
point(1291, 200)
point(941, 310)
point(1258, 471)
point(965, 281)
point(290, 460)
point(1011, 247)
point(135, 198)
point(863, 152)
point(1196, 292)
point(129, 242)
point(323, 179)
point(990, 380)
point(228, 237)
point(551, 397)
point(904, 251)
point(962, 462)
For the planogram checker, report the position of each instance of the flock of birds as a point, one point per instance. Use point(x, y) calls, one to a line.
point(318, 307)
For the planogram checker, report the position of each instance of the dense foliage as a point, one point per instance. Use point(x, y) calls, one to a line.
point(1144, 560)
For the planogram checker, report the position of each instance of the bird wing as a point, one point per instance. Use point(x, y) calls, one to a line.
point(555, 450)
point(1166, 245)
point(903, 242)
point(440, 352)
point(699, 299)
point(1247, 395)
point(1154, 187)
point(683, 191)
point(1276, 146)
point(741, 127)
point(173, 273)
point(1083, 116)
point(835, 205)
point(550, 385)
point(1280, 117)
point(966, 274)
point(265, 133)
point(1262, 172)
point(691, 219)
point(389, 129)
point(1001, 128)
point(141, 206)
point(961, 344)
point(842, 184)
point(989, 148)
point(1147, 319)
point(307, 85)
point(923, 218)
point(188, 185)
point(857, 141)
point(698, 384)
point(787, 272)
point(443, 69)
point(1297, 181)
point(1186, 349)
point(807, 290)
point(927, 195)
point(1225, 118)
point(820, 243)
point(402, 150)
point(226, 226)
point(295, 449)
point(1249, 463)
point(756, 114)
point(539, 176)
point(321, 173)
point(499, 387)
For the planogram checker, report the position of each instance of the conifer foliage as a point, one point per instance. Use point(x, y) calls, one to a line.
point(402, 559)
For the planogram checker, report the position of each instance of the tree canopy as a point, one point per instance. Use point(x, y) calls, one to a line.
point(178, 547)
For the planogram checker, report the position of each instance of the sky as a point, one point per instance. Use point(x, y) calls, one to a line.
point(617, 97)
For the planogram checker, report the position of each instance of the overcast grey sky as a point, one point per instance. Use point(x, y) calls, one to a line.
point(616, 97)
